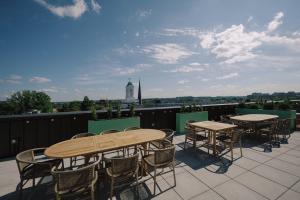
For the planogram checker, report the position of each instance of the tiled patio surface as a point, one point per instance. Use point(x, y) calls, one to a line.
point(257, 175)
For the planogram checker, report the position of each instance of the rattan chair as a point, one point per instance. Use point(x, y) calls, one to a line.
point(75, 180)
point(33, 164)
point(123, 171)
point(108, 132)
point(235, 138)
point(194, 134)
point(134, 148)
point(132, 128)
point(283, 130)
point(105, 154)
point(271, 131)
point(166, 141)
point(73, 160)
point(159, 159)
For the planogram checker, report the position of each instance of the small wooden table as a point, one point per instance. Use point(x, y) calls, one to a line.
point(102, 143)
point(254, 117)
point(214, 128)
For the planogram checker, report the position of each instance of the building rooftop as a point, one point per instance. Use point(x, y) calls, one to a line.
point(256, 175)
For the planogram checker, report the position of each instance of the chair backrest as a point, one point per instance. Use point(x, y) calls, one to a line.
point(74, 178)
point(225, 119)
point(24, 159)
point(122, 165)
point(169, 134)
point(187, 124)
point(80, 135)
point(109, 131)
point(164, 156)
point(236, 135)
point(132, 128)
point(283, 126)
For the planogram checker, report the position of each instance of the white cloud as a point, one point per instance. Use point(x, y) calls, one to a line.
point(39, 79)
point(207, 40)
point(205, 79)
point(122, 71)
point(250, 18)
point(235, 44)
point(137, 34)
point(182, 82)
point(186, 69)
point(228, 76)
point(14, 79)
point(276, 22)
point(49, 90)
point(155, 90)
point(144, 13)
point(95, 6)
point(75, 10)
point(168, 53)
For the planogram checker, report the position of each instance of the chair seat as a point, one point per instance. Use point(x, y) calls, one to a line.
point(223, 137)
point(160, 143)
point(196, 136)
point(36, 171)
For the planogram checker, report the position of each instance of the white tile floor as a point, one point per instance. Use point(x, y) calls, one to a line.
point(257, 175)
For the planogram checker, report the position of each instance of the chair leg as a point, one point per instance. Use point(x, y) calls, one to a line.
point(185, 142)
point(33, 182)
point(231, 149)
point(92, 193)
point(137, 183)
point(241, 148)
point(20, 188)
point(174, 175)
point(58, 197)
point(154, 177)
point(111, 188)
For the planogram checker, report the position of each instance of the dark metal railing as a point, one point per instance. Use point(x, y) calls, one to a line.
point(21, 132)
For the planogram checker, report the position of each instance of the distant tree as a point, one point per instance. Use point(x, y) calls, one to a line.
point(94, 113)
point(86, 103)
point(74, 106)
point(25, 101)
point(109, 111)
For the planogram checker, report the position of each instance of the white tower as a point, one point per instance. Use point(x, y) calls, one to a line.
point(129, 92)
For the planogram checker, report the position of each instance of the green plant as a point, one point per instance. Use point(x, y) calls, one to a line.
point(284, 106)
point(119, 112)
point(195, 108)
point(268, 106)
point(109, 111)
point(190, 108)
point(241, 105)
point(131, 110)
point(94, 113)
point(182, 108)
point(253, 106)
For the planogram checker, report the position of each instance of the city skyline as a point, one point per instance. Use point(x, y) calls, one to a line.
point(72, 49)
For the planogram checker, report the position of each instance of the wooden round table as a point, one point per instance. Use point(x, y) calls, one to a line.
point(102, 143)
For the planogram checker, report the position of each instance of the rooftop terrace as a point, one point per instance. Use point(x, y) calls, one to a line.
point(256, 175)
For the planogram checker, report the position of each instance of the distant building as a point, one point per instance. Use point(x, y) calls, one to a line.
point(129, 93)
point(140, 93)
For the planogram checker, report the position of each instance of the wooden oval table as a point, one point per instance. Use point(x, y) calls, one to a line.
point(102, 143)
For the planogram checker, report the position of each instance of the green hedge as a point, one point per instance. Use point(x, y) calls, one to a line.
point(182, 118)
point(98, 126)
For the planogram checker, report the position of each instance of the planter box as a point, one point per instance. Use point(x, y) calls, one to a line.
point(98, 126)
point(182, 118)
point(283, 114)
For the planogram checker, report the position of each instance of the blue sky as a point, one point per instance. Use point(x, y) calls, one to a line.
point(74, 48)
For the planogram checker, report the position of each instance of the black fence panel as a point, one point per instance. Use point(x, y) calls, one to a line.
point(18, 133)
point(5, 138)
